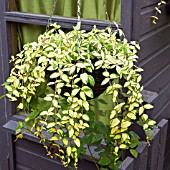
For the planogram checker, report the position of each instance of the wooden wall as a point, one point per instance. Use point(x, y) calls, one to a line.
point(155, 58)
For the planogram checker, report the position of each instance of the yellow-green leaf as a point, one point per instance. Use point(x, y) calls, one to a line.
point(131, 116)
point(86, 117)
point(125, 124)
point(115, 122)
point(65, 141)
point(141, 110)
point(54, 138)
point(68, 151)
point(77, 142)
point(148, 106)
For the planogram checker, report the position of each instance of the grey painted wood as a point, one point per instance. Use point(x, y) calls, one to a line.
point(163, 125)
point(154, 41)
point(154, 58)
point(140, 162)
point(128, 164)
point(153, 151)
point(158, 82)
point(160, 102)
point(155, 62)
point(6, 147)
point(126, 17)
point(149, 2)
point(146, 20)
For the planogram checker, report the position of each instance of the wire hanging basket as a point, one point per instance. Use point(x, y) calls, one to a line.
point(97, 74)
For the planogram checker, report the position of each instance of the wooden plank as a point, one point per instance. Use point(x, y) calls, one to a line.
point(33, 155)
point(159, 81)
point(163, 125)
point(160, 102)
point(146, 3)
point(136, 20)
point(127, 164)
point(153, 152)
point(164, 113)
point(146, 20)
point(65, 22)
point(154, 41)
point(140, 163)
point(126, 10)
point(22, 167)
point(154, 63)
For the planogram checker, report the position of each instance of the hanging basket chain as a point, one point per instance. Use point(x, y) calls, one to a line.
point(79, 24)
point(51, 15)
point(107, 14)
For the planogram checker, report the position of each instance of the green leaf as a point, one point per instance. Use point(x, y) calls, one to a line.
point(80, 65)
point(148, 106)
point(86, 117)
point(71, 132)
point(123, 146)
point(54, 75)
point(20, 136)
point(48, 98)
point(131, 116)
point(106, 74)
point(74, 92)
point(113, 114)
point(151, 122)
point(50, 125)
point(20, 106)
point(125, 124)
point(91, 80)
point(115, 122)
point(109, 90)
point(114, 76)
point(149, 134)
point(117, 86)
point(82, 95)
point(125, 136)
point(54, 138)
point(65, 78)
point(32, 115)
point(97, 137)
point(84, 78)
point(104, 161)
point(105, 81)
point(144, 117)
point(68, 151)
point(134, 153)
point(65, 141)
point(86, 105)
point(98, 63)
point(141, 110)
point(88, 91)
point(55, 103)
point(77, 142)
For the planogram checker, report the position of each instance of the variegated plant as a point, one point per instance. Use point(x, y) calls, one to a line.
point(158, 11)
point(52, 80)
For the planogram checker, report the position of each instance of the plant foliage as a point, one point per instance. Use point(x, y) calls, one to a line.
point(53, 81)
point(158, 11)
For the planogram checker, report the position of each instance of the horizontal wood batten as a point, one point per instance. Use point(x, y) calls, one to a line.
point(145, 3)
point(154, 41)
point(65, 22)
point(153, 64)
point(146, 20)
point(161, 103)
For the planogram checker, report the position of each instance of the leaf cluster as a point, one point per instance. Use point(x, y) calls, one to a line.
point(158, 11)
point(53, 81)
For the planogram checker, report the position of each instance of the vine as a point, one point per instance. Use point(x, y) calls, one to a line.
point(158, 11)
point(53, 80)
